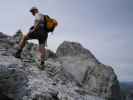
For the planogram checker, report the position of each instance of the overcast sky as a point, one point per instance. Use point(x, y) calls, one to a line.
point(105, 27)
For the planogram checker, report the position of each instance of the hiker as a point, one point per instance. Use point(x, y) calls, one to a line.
point(38, 31)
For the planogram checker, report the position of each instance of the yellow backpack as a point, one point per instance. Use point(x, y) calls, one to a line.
point(50, 23)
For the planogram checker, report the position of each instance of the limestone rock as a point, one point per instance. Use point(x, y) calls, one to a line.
point(72, 73)
point(95, 77)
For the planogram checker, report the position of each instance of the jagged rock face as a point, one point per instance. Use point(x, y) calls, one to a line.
point(72, 73)
point(95, 77)
point(13, 79)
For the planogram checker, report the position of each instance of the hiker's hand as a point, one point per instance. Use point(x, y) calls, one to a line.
point(32, 27)
point(31, 31)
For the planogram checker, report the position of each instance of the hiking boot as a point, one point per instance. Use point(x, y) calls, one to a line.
point(42, 65)
point(18, 54)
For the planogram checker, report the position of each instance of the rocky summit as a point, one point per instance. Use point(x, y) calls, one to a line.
point(72, 73)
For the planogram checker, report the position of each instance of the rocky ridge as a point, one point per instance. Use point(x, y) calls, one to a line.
point(72, 73)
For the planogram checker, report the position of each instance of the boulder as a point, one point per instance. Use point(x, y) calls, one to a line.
point(95, 77)
point(68, 48)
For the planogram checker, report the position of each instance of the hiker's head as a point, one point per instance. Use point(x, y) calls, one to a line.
point(34, 10)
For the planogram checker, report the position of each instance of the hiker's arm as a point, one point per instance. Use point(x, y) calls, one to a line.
point(36, 23)
point(35, 27)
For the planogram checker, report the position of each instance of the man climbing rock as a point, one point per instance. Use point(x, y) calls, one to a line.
point(38, 31)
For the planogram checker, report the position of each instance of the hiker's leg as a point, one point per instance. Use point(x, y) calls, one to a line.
point(42, 41)
point(23, 41)
point(45, 39)
point(21, 46)
point(42, 51)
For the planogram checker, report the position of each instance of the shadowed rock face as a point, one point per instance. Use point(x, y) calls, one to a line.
point(3, 97)
point(129, 96)
point(72, 73)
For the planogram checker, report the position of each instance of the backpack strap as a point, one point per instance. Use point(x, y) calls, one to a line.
point(46, 17)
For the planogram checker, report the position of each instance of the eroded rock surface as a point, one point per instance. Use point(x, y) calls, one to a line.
point(72, 73)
